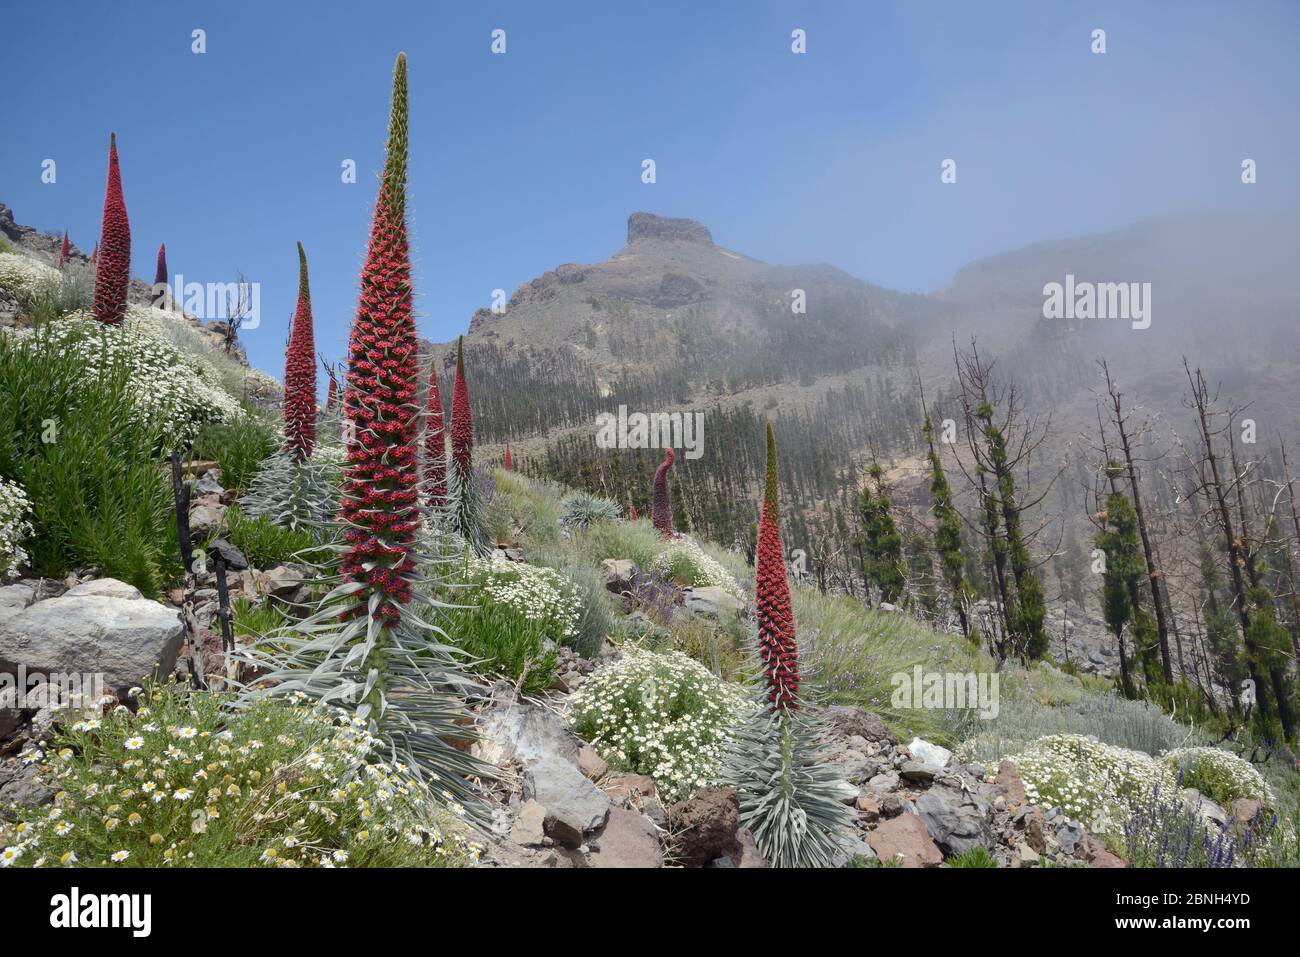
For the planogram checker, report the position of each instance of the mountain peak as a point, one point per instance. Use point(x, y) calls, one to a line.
point(650, 226)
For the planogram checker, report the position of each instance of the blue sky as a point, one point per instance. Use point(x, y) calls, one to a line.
point(529, 159)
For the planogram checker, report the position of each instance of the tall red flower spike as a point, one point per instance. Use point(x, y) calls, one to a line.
point(634, 515)
point(64, 250)
point(379, 501)
point(435, 442)
point(332, 392)
point(462, 419)
point(160, 296)
point(661, 506)
point(94, 254)
point(509, 462)
point(777, 646)
point(113, 266)
point(300, 372)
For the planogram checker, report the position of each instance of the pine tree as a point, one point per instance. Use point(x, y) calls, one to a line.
point(1029, 609)
point(113, 252)
point(947, 533)
point(1118, 541)
point(883, 564)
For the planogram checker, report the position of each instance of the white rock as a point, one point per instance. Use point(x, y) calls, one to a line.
point(931, 754)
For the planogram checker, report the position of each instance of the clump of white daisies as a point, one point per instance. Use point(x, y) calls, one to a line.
point(1220, 775)
point(14, 528)
point(187, 782)
point(541, 595)
point(22, 275)
point(683, 560)
point(1093, 782)
point(177, 389)
point(664, 715)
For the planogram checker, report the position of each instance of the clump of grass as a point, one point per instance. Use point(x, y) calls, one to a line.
point(850, 653)
point(636, 541)
point(522, 510)
point(256, 619)
point(238, 448)
point(266, 544)
point(975, 857)
point(72, 291)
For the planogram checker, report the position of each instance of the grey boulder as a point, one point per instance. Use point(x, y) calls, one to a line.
point(956, 820)
point(574, 806)
point(99, 627)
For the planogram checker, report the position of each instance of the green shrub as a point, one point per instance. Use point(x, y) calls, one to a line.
point(503, 641)
point(264, 543)
point(185, 782)
point(99, 495)
point(720, 647)
point(684, 562)
point(171, 389)
point(1220, 775)
point(662, 715)
point(238, 448)
point(582, 510)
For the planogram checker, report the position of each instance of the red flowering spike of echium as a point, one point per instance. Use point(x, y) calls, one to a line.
point(462, 420)
point(509, 462)
point(435, 443)
point(379, 501)
point(634, 515)
point(160, 278)
point(64, 250)
point(113, 265)
point(94, 254)
point(661, 506)
point(777, 646)
point(300, 373)
point(332, 391)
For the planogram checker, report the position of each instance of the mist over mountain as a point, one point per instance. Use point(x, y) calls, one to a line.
point(673, 321)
